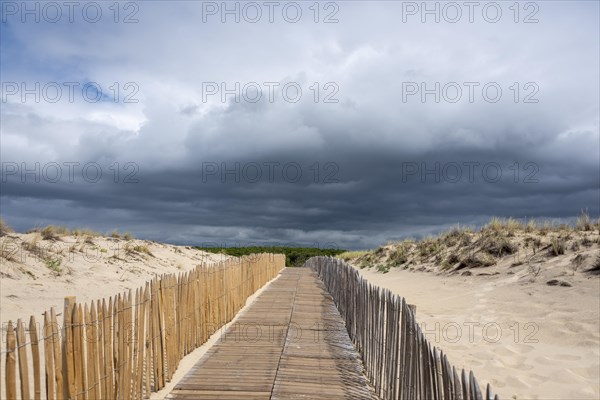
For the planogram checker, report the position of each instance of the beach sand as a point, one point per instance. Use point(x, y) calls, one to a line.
point(45, 271)
point(527, 339)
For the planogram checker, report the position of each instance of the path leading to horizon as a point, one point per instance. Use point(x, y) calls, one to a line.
point(290, 343)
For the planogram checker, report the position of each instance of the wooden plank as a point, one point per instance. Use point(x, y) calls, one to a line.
point(128, 344)
point(135, 341)
point(107, 310)
point(420, 371)
point(141, 343)
point(118, 346)
point(102, 392)
point(49, 357)
point(23, 368)
point(92, 341)
point(11, 373)
point(154, 335)
point(68, 366)
point(81, 386)
point(148, 340)
point(309, 353)
point(58, 356)
point(465, 386)
point(87, 351)
point(35, 355)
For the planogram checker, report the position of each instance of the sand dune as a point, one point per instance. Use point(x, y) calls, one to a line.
point(37, 274)
point(527, 339)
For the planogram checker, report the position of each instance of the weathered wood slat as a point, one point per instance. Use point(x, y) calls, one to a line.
point(11, 364)
point(49, 358)
point(23, 368)
point(290, 343)
point(422, 371)
point(132, 344)
point(35, 354)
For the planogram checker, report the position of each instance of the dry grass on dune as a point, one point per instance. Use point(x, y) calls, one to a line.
point(499, 242)
point(4, 228)
point(538, 279)
point(43, 266)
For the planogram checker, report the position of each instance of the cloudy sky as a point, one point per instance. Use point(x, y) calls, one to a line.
point(345, 123)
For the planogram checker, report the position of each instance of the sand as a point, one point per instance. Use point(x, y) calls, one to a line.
point(527, 339)
point(32, 279)
point(40, 275)
point(188, 362)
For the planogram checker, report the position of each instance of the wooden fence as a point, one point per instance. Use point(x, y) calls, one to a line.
point(129, 345)
point(398, 360)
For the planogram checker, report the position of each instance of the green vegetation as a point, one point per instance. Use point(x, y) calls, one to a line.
point(85, 232)
point(294, 256)
point(350, 255)
point(143, 249)
point(384, 269)
point(53, 264)
point(116, 235)
point(399, 256)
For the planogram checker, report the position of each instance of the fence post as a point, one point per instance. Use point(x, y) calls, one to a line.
point(413, 308)
point(114, 348)
point(35, 354)
point(67, 348)
point(11, 364)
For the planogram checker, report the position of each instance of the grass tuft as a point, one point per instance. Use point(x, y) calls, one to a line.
point(52, 232)
point(584, 222)
point(53, 264)
point(85, 232)
point(475, 261)
point(499, 246)
point(351, 255)
point(4, 228)
point(384, 269)
point(558, 246)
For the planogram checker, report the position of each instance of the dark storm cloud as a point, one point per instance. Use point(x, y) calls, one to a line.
point(374, 165)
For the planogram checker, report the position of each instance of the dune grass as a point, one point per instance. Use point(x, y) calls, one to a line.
point(465, 247)
point(349, 255)
point(4, 228)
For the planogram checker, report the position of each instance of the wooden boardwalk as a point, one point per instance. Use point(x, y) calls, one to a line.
point(291, 343)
